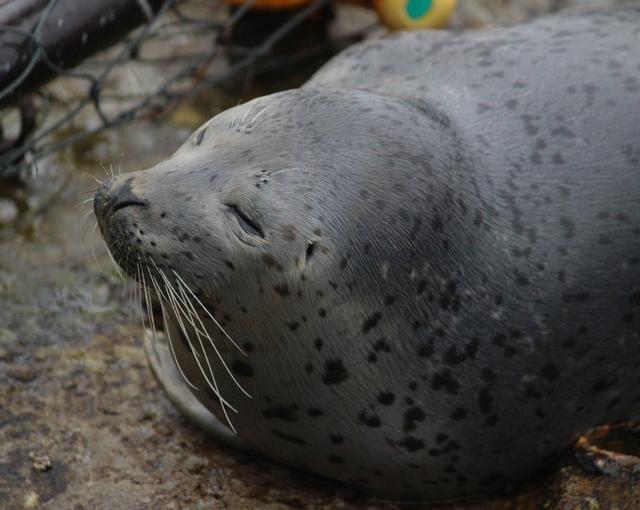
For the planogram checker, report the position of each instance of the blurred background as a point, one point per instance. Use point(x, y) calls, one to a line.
point(92, 88)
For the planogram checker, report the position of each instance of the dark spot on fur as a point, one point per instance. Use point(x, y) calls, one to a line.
point(386, 398)
point(381, 346)
point(290, 438)
point(334, 372)
point(458, 414)
point(283, 290)
point(444, 379)
point(550, 372)
point(336, 438)
point(241, 369)
point(411, 444)
point(371, 322)
point(370, 420)
point(426, 350)
point(285, 413)
point(271, 262)
point(411, 416)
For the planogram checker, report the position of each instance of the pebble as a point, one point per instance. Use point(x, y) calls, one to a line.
point(40, 462)
point(8, 211)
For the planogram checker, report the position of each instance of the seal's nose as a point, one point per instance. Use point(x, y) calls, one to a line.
point(113, 195)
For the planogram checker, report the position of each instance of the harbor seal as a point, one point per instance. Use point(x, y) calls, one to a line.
point(419, 273)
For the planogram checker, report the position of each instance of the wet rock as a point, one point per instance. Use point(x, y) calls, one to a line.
point(8, 211)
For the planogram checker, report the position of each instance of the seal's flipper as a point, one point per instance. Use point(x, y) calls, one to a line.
point(166, 373)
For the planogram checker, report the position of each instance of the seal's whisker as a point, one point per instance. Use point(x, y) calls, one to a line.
point(104, 169)
point(168, 297)
point(187, 316)
point(126, 258)
point(142, 308)
point(173, 352)
point(222, 401)
point(195, 314)
point(208, 313)
point(212, 384)
point(120, 166)
point(115, 265)
point(82, 227)
point(93, 247)
point(149, 304)
point(167, 331)
point(245, 114)
point(137, 294)
point(253, 121)
point(153, 324)
point(132, 297)
point(94, 178)
point(280, 171)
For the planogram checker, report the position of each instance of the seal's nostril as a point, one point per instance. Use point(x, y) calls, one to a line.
point(112, 196)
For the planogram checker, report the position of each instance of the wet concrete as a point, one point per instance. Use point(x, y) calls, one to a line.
point(83, 424)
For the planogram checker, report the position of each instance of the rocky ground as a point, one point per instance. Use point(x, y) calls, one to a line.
point(83, 424)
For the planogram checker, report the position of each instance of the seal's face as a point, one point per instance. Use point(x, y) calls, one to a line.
point(278, 186)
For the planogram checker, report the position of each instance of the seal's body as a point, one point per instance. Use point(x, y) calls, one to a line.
point(429, 254)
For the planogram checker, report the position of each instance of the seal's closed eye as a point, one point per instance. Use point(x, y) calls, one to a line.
point(246, 223)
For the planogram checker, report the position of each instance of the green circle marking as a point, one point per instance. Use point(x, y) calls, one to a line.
point(418, 8)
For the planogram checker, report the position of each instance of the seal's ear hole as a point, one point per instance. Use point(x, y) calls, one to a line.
point(311, 248)
point(200, 136)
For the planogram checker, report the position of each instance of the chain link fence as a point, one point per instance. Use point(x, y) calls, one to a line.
point(54, 68)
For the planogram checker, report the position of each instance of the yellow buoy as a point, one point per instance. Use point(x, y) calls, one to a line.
point(409, 14)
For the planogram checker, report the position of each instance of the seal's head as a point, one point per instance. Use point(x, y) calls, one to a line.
point(269, 195)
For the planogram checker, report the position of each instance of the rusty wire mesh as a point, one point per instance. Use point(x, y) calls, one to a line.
point(47, 117)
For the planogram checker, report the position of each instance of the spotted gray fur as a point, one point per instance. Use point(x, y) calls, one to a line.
point(429, 254)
